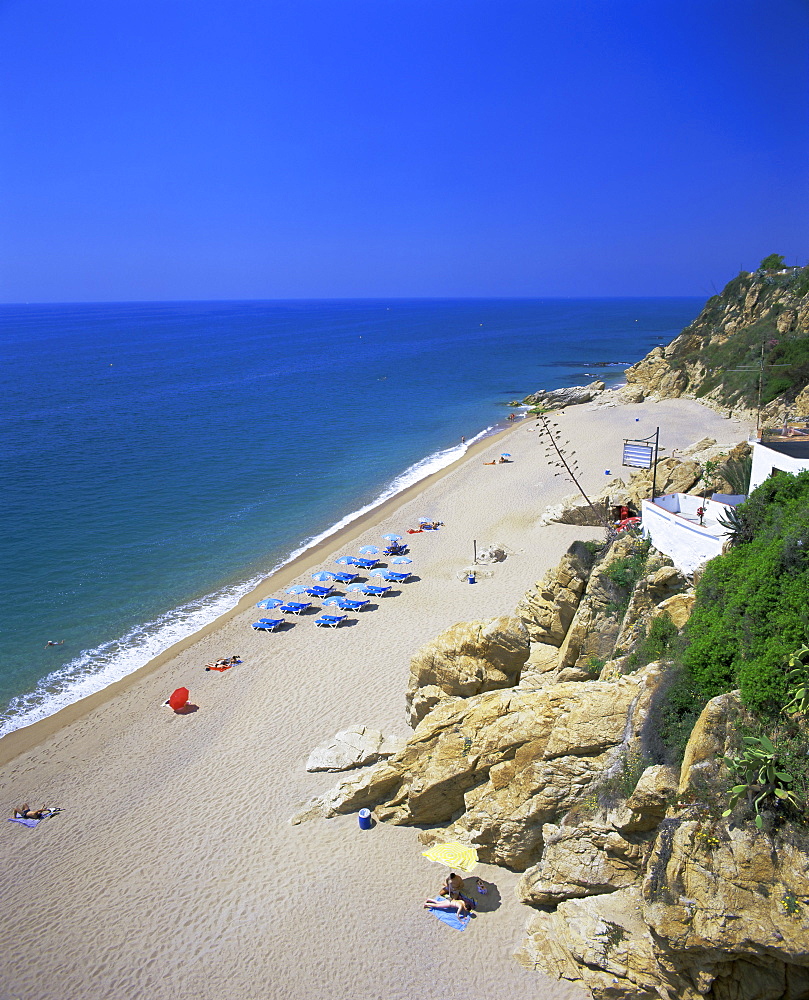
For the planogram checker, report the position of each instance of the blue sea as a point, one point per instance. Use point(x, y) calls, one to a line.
point(160, 458)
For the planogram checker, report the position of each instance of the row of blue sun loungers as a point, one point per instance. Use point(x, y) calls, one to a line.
point(272, 624)
point(341, 601)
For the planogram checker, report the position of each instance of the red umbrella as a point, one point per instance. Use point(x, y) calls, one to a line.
point(179, 699)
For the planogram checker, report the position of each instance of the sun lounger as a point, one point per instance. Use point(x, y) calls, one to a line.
point(267, 625)
point(397, 577)
point(345, 577)
point(376, 591)
point(294, 607)
point(330, 621)
point(319, 592)
point(348, 605)
point(366, 563)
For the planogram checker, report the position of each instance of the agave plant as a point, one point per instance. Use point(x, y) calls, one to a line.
point(736, 473)
point(738, 527)
point(760, 779)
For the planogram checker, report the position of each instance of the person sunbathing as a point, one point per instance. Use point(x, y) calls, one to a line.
point(25, 813)
point(493, 462)
point(224, 664)
point(455, 902)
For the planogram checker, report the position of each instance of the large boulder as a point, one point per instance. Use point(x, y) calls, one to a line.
point(353, 747)
point(574, 509)
point(501, 764)
point(581, 860)
point(720, 911)
point(673, 476)
point(465, 660)
point(602, 944)
point(597, 622)
point(555, 399)
point(548, 608)
point(646, 807)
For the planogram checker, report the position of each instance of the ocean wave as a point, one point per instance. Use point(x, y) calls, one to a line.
point(94, 669)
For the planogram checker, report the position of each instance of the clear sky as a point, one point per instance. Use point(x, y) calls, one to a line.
point(209, 149)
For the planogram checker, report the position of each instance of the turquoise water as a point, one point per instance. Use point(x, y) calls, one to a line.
point(160, 458)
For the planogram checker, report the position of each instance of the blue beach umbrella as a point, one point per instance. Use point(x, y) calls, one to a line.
point(355, 588)
point(297, 589)
point(401, 561)
point(331, 601)
point(322, 576)
point(379, 572)
point(270, 602)
point(345, 560)
point(392, 538)
point(505, 454)
point(369, 550)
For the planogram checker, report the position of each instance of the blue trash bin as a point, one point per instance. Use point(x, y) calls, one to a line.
point(365, 819)
point(470, 578)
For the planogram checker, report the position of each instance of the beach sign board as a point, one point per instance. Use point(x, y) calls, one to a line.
point(638, 454)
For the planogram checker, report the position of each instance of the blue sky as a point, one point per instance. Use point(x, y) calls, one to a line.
point(364, 148)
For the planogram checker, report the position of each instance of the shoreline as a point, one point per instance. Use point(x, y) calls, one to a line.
point(27, 737)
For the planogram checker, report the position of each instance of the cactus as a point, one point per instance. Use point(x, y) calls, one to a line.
point(761, 780)
point(798, 676)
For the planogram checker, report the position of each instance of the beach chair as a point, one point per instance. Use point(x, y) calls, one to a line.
point(397, 577)
point(376, 591)
point(345, 577)
point(366, 563)
point(319, 592)
point(348, 605)
point(268, 624)
point(294, 607)
point(330, 621)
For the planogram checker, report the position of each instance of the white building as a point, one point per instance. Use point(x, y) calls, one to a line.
point(778, 456)
point(673, 525)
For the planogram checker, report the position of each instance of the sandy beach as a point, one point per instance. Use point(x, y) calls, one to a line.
point(174, 872)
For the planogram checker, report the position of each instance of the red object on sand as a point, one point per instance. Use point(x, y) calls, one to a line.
point(179, 699)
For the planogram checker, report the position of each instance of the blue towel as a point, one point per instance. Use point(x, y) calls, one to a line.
point(24, 822)
point(451, 919)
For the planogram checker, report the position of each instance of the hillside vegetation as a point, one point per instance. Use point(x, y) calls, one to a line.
point(757, 327)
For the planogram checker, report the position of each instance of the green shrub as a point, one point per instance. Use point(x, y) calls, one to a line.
point(675, 708)
point(750, 612)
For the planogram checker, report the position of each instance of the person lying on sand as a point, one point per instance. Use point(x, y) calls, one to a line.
point(25, 813)
point(223, 664)
point(493, 462)
point(454, 903)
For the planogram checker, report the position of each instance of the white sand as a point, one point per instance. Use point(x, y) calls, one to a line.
point(173, 871)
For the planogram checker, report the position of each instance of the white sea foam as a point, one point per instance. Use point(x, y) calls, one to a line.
point(94, 669)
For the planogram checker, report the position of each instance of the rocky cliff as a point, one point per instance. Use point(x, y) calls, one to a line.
point(533, 743)
point(758, 325)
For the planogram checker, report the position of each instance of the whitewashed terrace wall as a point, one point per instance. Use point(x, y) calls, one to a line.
point(673, 526)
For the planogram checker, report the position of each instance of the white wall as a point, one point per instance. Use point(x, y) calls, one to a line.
point(687, 543)
point(765, 460)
